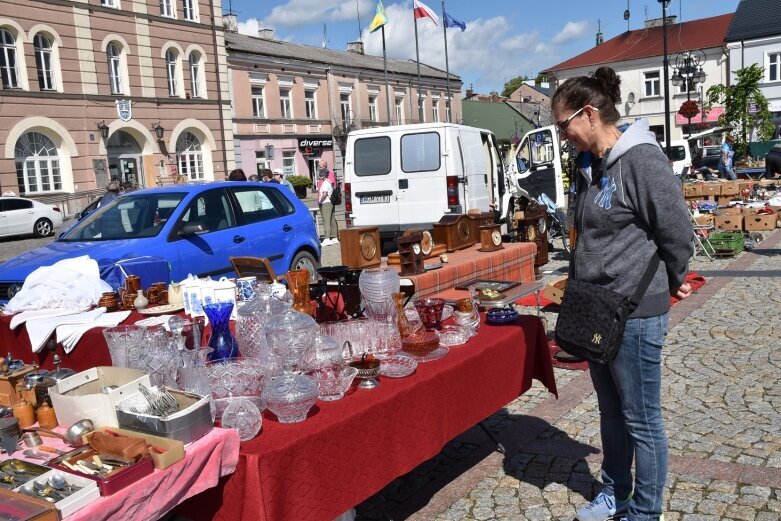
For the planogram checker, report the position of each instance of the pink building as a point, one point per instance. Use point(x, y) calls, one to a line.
point(295, 104)
point(94, 90)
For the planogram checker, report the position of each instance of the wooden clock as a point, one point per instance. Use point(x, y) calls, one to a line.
point(360, 247)
point(490, 238)
point(478, 220)
point(411, 253)
point(455, 232)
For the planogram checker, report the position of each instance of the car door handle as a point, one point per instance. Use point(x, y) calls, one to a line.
point(287, 228)
point(238, 239)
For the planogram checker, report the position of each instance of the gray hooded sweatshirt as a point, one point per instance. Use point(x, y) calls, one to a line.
point(627, 209)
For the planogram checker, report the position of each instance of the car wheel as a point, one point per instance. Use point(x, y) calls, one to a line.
point(42, 228)
point(305, 261)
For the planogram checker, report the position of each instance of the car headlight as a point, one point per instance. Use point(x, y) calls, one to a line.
point(13, 289)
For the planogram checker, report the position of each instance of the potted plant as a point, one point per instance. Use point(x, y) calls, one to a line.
point(300, 184)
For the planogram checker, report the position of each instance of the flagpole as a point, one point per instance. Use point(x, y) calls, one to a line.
point(447, 63)
point(417, 61)
point(385, 66)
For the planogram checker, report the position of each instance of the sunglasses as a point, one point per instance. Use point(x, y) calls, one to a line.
point(562, 126)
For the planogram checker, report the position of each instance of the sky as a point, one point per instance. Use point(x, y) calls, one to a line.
point(503, 39)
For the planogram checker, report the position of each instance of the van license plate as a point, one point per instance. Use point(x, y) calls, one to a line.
point(375, 199)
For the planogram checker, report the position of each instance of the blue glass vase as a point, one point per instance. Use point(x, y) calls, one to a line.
point(221, 340)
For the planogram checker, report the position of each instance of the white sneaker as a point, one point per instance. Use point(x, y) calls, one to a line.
point(326, 242)
point(334, 241)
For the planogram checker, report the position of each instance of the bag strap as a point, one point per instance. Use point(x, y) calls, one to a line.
point(650, 271)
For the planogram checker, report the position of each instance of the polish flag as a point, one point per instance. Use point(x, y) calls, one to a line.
point(422, 11)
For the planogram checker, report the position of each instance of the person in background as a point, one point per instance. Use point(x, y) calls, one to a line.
point(266, 175)
point(254, 178)
point(629, 209)
point(279, 177)
point(323, 165)
point(699, 167)
point(127, 186)
point(324, 191)
point(726, 170)
point(112, 190)
point(237, 175)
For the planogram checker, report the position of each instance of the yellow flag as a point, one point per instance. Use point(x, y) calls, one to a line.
point(379, 17)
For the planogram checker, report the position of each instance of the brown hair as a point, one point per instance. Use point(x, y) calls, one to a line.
point(237, 175)
point(602, 91)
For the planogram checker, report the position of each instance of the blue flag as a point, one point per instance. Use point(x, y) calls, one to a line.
point(452, 22)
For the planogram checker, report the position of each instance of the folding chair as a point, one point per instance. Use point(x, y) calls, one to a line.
point(701, 241)
point(258, 267)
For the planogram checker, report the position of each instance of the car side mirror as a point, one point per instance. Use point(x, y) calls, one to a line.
point(190, 229)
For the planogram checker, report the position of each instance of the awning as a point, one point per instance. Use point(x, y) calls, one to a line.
point(711, 116)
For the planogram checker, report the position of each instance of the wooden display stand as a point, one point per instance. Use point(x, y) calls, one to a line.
point(410, 253)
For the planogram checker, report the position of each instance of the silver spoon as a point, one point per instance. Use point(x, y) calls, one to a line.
point(57, 481)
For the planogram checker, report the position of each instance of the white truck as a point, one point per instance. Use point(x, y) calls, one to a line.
point(409, 176)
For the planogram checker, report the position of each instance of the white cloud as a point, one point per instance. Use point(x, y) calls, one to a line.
point(298, 13)
point(251, 27)
point(571, 32)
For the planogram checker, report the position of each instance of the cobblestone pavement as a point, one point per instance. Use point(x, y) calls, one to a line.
point(722, 407)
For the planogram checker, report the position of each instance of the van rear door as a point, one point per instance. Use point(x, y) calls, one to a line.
point(538, 165)
point(478, 161)
point(374, 188)
point(421, 177)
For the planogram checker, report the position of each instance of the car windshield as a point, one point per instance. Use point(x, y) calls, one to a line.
point(128, 217)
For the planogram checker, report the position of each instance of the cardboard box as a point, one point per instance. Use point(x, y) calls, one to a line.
point(748, 211)
point(730, 188)
point(745, 185)
point(724, 200)
point(692, 189)
point(81, 395)
point(164, 451)
point(729, 222)
point(89, 492)
point(554, 291)
point(705, 219)
point(712, 188)
point(758, 223)
point(730, 210)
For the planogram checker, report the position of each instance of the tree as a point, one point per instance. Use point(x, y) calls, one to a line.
point(512, 85)
point(745, 107)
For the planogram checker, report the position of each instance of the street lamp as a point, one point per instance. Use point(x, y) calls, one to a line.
point(688, 71)
point(665, 3)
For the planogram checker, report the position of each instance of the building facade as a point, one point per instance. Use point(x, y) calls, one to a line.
point(637, 57)
point(95, 90)
point(294, 105)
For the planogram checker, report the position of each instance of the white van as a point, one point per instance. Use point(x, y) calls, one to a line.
point(680, 156)
point(409, 176)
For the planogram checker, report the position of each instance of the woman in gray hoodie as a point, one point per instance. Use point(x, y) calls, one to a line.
point(629, 207)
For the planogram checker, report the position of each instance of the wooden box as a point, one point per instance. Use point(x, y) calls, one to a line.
point(360, 247)
point(713, 188)
point(758, 223)
point(8, 384)
point(693, 189)
point(730, 188)
point(478, 220)
point(15, 505)
point(729, 222)
point(455, 232)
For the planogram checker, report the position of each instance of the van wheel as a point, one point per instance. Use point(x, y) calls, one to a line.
point(42, 228)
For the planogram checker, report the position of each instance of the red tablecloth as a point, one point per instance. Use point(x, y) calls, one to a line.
point(350, 449)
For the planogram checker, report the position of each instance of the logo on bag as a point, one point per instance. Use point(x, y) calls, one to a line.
point(597, 339)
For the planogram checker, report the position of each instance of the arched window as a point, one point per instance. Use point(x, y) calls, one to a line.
point(37, 164)
point(43, 61)
point(189, 156)
point(8, 63)
point(195, 74)
point(114, 68)
point(170, 66)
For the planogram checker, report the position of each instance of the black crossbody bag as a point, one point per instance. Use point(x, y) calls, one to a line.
point(592, 318)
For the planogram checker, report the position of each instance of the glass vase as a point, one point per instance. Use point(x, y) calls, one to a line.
point(298, 284)
point(221, 340)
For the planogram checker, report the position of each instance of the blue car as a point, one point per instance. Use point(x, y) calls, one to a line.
point(196, 227)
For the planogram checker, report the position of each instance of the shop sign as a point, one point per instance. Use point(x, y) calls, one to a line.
point(125, 109)
point(774, 105)
point(308, 145)
point(710, 116)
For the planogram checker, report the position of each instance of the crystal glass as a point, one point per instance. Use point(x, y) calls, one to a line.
point(252, 318)
point(430, 312)
point(334, 380)
point(291, 396)
point(244, 416)
point(234, 377)
point(290, 335)
point(161, 360)
point(325, 351)
point(221, 339)
point(378, 283)
point(120, 340)
point(450, 336)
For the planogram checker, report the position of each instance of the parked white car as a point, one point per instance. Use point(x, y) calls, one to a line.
point(20, 216)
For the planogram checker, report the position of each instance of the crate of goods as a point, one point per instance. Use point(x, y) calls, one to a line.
point(726, 243)
point(730, 188)
point(731, 210)
point(713, 188)
point(705, 219)
point(760, 222)
point(724, 200)
point(692, 189)
point(729, 222)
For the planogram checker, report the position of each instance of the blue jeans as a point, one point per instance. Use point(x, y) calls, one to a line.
point(727, 172)
point(630, 413)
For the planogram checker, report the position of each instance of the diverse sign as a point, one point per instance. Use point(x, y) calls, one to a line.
point(308, 145)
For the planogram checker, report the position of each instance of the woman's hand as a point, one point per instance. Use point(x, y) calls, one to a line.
point(684, 291)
